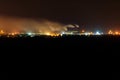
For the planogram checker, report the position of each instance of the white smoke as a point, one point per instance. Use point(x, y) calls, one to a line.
point(72, 26)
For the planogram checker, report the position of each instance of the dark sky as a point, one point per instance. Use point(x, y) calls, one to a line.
point(90, 12)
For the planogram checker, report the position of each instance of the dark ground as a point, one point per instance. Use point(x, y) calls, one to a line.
point(83, 45)
point(115, 75)
point(3, 75)
point(92, 53)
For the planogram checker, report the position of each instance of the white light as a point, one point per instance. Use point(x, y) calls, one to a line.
point(29, 33)
point(62, 33)
point(86, 34)
point(98, 33)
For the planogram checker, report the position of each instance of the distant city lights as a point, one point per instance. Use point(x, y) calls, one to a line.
point(110, 32)
point(1, 32)
point(29, 33)
point(54, 34)
point(48, 34)
point(98, 33)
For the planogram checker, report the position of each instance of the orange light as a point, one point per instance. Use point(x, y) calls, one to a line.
point(1, 32)
point(83, 31)
point(117, 33)
point(91, 33)
point(52, 34)
point(48, 34)
point(12, 34)
point(110, 32)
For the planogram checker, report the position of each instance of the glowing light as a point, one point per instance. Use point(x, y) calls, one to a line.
point(98, 33)
point(117, 33)
point(55, 34)
point(16, 32)
point(110, 32)
point(87, 33)
point(12, 34)
point(48, 34)
point(29, 33)
point(83, 31)
point(62, 33)
point(91, 33)
point(1, 32)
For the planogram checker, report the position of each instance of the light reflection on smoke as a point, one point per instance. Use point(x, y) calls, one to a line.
point(10, 24)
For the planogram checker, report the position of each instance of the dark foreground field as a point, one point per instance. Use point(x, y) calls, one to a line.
point(91, 53)
point(83, 45)
point(4, 75)
point(115, 75)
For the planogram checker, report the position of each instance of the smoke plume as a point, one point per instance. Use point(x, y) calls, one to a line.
point(10, 24)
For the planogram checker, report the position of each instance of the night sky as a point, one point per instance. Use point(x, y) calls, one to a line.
point(86, 12)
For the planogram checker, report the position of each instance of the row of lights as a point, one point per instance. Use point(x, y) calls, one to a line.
point(113, 33)
point(110, 32)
